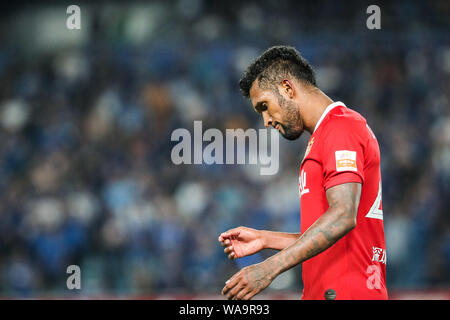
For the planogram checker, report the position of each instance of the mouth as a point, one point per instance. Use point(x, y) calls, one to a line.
point(277, 126)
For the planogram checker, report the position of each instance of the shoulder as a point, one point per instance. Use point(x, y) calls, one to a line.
point(345, 120)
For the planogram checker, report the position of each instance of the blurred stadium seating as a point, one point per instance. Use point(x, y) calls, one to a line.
point(86, 117)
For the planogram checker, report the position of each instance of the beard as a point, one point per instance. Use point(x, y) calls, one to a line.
point(293, 124)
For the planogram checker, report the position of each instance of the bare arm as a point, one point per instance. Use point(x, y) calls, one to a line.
point(278, 240)
point(337, 221)
point(243, 241)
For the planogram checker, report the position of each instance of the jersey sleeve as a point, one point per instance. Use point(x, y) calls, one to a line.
point(343, 152)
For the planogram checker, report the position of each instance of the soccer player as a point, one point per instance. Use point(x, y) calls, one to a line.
point(341, 245)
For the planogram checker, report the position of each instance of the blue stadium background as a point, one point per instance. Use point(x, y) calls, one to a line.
point(86, 117)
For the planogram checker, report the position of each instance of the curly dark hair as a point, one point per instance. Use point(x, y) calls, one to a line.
point(273, 65)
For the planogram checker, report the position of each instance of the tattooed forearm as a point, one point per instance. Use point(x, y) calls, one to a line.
point(337, 221)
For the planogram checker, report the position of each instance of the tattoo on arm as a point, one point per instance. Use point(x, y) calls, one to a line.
point(337, 221)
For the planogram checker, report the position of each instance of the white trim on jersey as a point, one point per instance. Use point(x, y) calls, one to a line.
point(328, 109)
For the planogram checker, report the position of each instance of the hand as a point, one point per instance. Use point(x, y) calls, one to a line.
point(249, 281)
point(240, 242)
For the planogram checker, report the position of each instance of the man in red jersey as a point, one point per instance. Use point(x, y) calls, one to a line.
point(341, 245)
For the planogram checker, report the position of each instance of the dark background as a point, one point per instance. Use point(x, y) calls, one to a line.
point(86, 116)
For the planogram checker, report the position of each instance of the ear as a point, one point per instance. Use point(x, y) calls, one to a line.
point(288, 88)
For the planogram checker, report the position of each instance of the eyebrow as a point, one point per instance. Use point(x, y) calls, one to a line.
point(259, 107)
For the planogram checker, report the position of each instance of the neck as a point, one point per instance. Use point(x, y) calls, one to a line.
point(313, 106)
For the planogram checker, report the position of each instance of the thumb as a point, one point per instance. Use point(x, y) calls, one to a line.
point(229, 234)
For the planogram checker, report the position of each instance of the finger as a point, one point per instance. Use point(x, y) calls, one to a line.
point(228, 249)
point(241, 294)
point(226, 235)
point(248, 296)
point(232, 233)
point(222, 236)
point(225, 243)
point(230, 283)
point(235, 291)
point(237, 249)
point(232, 256)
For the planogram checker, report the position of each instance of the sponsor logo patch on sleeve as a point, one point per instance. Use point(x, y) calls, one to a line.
point(345, 160)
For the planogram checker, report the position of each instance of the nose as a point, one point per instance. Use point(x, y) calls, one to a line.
point(267, 119)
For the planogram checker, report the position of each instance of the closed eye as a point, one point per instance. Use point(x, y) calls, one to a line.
point(260, 107)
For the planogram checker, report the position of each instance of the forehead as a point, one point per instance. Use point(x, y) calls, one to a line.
point(259, 95)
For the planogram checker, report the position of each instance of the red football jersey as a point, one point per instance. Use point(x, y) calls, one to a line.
point(343, 149)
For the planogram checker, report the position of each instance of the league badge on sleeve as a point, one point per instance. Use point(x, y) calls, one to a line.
point(345, 160)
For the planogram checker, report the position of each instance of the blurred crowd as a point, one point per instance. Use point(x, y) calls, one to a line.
point(86, 176)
